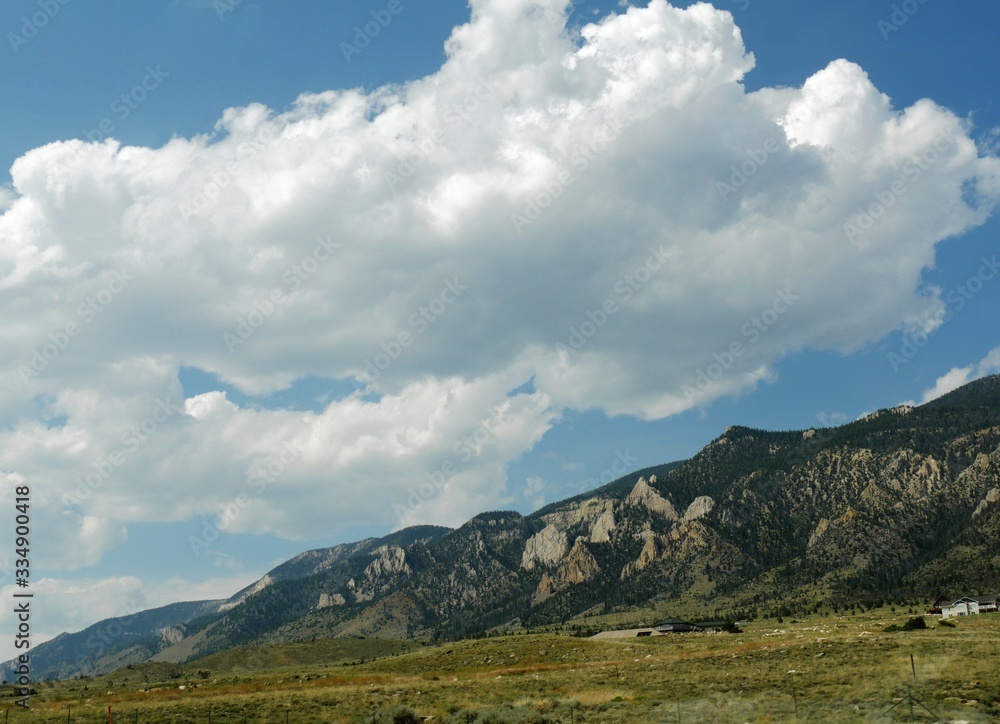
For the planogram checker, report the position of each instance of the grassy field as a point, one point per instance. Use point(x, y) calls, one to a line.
point(833, 668)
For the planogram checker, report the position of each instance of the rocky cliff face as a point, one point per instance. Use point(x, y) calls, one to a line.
point(545, 548)
point(644, 495)
point(326, 600)
point(172, 634)
point(699, 508)
point(992, 498)
point(577, 567)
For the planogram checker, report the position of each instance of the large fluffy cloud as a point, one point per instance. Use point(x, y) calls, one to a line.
point(609, 216)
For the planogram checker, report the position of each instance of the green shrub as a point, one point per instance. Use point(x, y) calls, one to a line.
point(399, 715)
point(912, 624)
point(501, 715)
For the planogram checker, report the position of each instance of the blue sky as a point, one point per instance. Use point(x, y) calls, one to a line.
point(491, 340)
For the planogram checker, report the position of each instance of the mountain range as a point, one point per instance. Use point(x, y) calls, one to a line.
point(899, 506)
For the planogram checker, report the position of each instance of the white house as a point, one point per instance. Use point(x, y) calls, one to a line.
point(968, 605)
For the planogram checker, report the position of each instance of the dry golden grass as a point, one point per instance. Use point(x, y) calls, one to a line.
point(828, 669)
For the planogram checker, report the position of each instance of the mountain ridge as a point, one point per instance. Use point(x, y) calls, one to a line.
point(902, 503)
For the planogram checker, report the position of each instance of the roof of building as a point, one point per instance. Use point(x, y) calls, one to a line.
point(626, 633)
point(963, 599)
point(971, 599)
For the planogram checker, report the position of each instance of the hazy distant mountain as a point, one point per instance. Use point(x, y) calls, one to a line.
point(905, 502)
point(112, 643)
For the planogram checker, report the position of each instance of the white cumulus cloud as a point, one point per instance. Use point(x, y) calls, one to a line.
point(609, 216)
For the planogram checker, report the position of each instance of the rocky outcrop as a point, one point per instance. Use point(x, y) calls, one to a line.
point(898, 410)
point(381, 574)
point(690, 539)
point(992, 498)
point(699, 508)
point(603, 526)
point(545, 548)
point(326, 600)
point(172, 634)
point(579, 566)
point(585, 512)
point(390, 562)
point(821, 529)
point(651, 551)
point(360, 595)
point(643, 495)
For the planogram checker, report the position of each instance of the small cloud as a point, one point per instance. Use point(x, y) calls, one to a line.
point(832, 419)
point(224, 560)
point(948, 382)
point(958, 376)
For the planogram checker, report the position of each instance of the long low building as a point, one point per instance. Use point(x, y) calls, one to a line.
point(669, 626)
point(628, 633)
